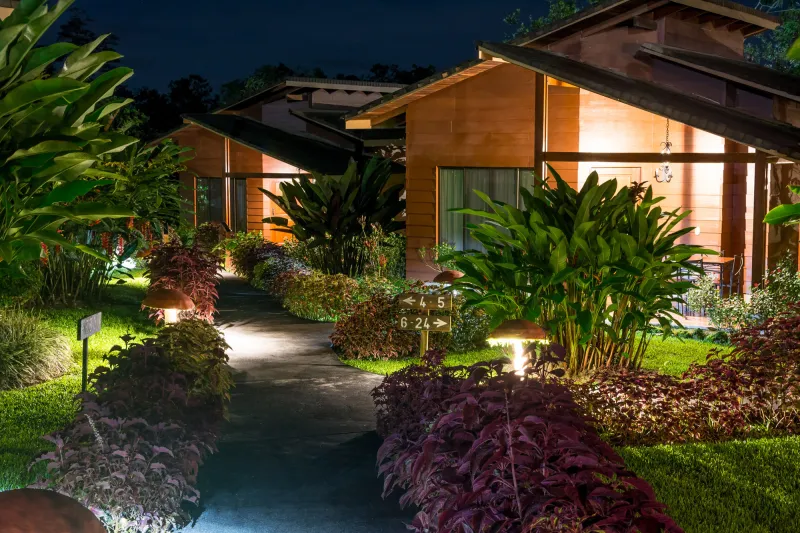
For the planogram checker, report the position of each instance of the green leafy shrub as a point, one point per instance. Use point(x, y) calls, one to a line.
point(210, 236)
point(133, 452)
point(20, 286)
point(780, 290)
point(595, 267)
point(370, 331)
point(321, 297)
point(334, 215)
point(30, 352)
point(278, 266)
point(247, 250)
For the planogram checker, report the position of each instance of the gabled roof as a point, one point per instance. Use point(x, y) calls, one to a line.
point(294, 84)
point(723, 13)
point(395, 102)
point(334, 121)
point(303, 152)
point(768, 135)
point(738, 71)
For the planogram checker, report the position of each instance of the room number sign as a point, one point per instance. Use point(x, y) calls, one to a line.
point(424, 323)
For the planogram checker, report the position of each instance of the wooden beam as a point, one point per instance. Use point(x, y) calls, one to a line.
point(759, 212)
point(358, 124)
point(726, 9)
point(669, 9)
point(540, 126)
point(722, 22)
point(264, 175)
point(619, 19)
point(738, 25)
point(645, 157)
point(708, 17)
point(644, 23)
point(690, 14)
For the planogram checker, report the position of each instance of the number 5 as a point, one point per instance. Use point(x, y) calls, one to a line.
point(440, 301)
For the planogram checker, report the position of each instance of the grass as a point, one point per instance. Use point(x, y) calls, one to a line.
point(748, 486)
point(670, 356)
point(27, 414)
point(377, 366)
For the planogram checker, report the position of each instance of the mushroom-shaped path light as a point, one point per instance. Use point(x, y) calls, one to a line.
point(44, 511)
point(170, 300)
point(517, 333)
point(448, 276)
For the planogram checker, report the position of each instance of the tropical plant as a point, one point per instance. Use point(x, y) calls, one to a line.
point(30, 352)
point(594, 267)
point(20, 286)
point(334, 214)
point(248, 249)
point(191, 269)
point(785, 213)
point(52, 133)
point(477, 449)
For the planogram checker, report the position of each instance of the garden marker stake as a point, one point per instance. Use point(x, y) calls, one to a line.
point(86, 328)
point(425, 323)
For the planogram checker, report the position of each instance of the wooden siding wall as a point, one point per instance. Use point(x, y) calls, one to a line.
point(208, 162)
point(485, 121)
point(783, 240)
point(610, 126)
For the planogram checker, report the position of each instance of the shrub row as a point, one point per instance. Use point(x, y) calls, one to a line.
point(753, 391)
point(481, 450)
point(132, 453)
point(248, 250)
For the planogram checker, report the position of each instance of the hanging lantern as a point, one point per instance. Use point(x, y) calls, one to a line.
point(664, 172)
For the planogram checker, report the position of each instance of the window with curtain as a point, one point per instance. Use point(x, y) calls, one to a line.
point(239, 204)
point(209, 195)
point(456, 190)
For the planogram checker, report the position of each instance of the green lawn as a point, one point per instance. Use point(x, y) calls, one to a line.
point(670, 356)
point(27, 414)
point(734, 487)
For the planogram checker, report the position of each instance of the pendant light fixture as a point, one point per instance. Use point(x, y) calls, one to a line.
point(664, 172)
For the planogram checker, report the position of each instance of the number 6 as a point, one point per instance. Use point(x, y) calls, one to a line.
point(403, 322)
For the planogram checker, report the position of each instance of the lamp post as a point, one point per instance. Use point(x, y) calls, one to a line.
point(172, 301)
point(517, 333)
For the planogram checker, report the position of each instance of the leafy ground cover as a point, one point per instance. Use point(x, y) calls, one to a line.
point(27, 414)
point(670, 356)
point(750, 486)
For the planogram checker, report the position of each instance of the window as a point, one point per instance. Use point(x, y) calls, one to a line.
point(209, 197)
point(239, 204)
point(456, 186)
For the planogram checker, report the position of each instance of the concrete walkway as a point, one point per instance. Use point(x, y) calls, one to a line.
point(299, 452)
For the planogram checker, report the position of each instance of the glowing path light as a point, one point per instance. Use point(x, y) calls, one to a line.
point(517, 333)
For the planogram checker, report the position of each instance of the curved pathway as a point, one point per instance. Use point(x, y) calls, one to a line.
point(298, 454)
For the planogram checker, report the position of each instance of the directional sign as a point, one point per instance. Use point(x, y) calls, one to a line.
point(89, 326)
point(424, 323)
point(425, 302)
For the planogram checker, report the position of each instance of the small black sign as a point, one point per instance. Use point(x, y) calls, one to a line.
point(89, 326)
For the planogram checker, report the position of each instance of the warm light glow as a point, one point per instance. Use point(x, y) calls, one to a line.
point(697, 230)
point(170, 316)
point(520, 361)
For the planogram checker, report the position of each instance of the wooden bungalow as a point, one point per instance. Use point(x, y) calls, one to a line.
point(294, 127)
point(603, 91)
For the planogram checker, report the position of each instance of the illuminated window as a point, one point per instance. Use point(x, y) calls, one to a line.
point(456, 186)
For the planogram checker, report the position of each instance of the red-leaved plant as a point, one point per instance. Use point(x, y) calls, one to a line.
point(191, 269)
point(753, 391)
point(478, 449)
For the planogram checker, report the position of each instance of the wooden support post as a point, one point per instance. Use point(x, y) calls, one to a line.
point(423, 339)
point(540, 129)
point(759, 212)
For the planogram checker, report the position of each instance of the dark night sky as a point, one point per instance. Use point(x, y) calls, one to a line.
point(227, 39)
point(223, 40)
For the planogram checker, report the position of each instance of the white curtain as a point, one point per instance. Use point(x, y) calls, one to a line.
point(456, 189)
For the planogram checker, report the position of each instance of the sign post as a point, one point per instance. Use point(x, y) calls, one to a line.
point(425, 323)
point(86, 328)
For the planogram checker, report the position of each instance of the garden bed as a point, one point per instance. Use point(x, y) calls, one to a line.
point(669, 356)
point(27, 414)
